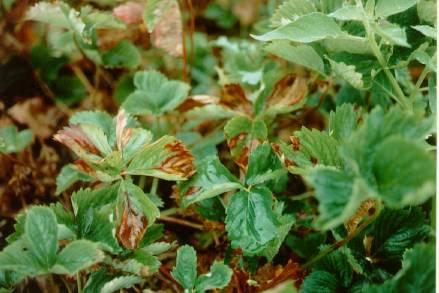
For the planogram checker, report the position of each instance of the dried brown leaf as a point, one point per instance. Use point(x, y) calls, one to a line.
point(132, 227)
point(288, 91)
point(129, 13)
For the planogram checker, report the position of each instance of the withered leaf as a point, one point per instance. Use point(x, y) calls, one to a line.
point(75, 138)
point(233, 97)
point(168, 32)
point(288, 91)
point(367, 208)
point(180, 163)
point(132, 227)
point(129, 13)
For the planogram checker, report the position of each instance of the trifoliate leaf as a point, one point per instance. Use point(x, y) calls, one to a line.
point(166, 158)
point(211, 179)
point(185, 270)
point(218, 277)
point(155, 94)
point(386, 8)
point(124, 54)
point(304, 55)
point(250, 220)
point(12, 140)
point(403, 180)
point(41, 234)
point(69, 175)
point(77, 256)
point(305, 29)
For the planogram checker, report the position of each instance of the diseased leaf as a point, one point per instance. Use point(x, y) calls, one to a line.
point(243, 135)
point(168, 31)
point(250, 220)
point(211, 179)
point(166, 158)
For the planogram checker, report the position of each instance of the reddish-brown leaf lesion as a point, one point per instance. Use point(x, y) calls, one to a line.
point(180, 162)
point(289, 91)
point(132, 227)
point(75, 138)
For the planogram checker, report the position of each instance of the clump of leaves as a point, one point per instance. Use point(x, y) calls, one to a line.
point(302, 156)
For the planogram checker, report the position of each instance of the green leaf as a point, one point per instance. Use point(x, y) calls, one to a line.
point(409, 279)
point(250, 220)
point(403, 180)
point(289, 10)
point(68, 176)
point(342, 122)
point(185, 270)
point(124, 54)
point(348, 43)
point(312, 147)
point(337, 264)
point(320, 281)
point(77, 256)
point(272, 248)
point(426, 30)
point(15, 257)
point(304, 55)
point(12, 140)
point(41, 233)
point(394, 232)
point(155, 94)
point(263, 165)
point(305, 29)
point(118, 283)
point(139, 200)
point(339, 195)
point(427, 11)
point(392, 34)
point(348, 73)
point(166, 158)
point(211, 179)
point(386, 8)
point(217, 278)
point(348, 12)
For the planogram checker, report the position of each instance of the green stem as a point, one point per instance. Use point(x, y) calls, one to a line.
point(78, 281)
point(169, 212)
point(155, 183)
point(344, 241)
point(400, 96)
point(420, 80)
point(142, 182)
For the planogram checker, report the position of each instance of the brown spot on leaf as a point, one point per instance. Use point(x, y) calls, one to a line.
point(367, 208)
point(180, 163)
point(233, 97)
point(290, 90)
point(295, 143)
point(75, 138)
point(129, 13)
point(132, 227)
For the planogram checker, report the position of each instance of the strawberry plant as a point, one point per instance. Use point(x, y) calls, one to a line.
point(218, 146)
